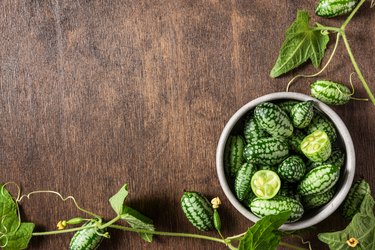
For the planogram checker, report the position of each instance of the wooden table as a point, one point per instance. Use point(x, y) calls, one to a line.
point(95, 94)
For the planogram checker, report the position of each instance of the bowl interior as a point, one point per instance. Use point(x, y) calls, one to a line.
point(311, 217)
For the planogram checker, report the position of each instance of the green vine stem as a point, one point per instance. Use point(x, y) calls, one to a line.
point(341, 32)
point(197, 236)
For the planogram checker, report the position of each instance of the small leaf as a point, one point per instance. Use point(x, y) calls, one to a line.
point(264, 235)
point(20, 239)
point(14, 234)
point(301, 43)
point(138, 221)
point(362, 228)
point(117, 201)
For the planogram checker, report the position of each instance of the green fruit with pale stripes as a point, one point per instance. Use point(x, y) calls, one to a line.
point(354, 199)
point(233, 154)
point(266, 151)
point(331, 93)
point(319, 180)
point(197, 210)
point(321, 122)
point(292, 169)
point(302, 113)
point(317, 200)
point(287, 106)
point(316, 146)
point(276, 205)
point(295, 140)
point(249, 198)
point(273, 120)
point(252, 131)
point(332, 8)
point(87, 239)
point(337, 158)
point(242, 183)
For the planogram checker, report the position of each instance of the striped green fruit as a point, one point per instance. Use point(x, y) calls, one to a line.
point(233, 154)
point(316, 146)
point(242, 183)
point(354, 199)
point(295, 141)
point(321, 122)
point(252, 131)
point(337, 158)
point(332, 8)
point(197, 210)
point(319, 180)
point(287, 106)
point(266, 151)
point(317, 200)
point(276, 205)
point(87, 239)
point(273, 120)
point(331, 93)
point(302, 113)
point(292, 169)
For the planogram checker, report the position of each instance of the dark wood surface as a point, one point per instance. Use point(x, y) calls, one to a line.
point(95, 94)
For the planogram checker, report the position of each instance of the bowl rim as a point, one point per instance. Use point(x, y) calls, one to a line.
point(342, 130)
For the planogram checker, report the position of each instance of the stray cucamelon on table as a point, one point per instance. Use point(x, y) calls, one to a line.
point(197, 210)
point(87, 239)
point(290, 162)
point(333, 8)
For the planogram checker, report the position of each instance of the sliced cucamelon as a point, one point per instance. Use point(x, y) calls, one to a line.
point(276, 205)
point(317, 200)
point(197, 210)
point(273, 120)
point(292, 169)
point(321, 122)
point(87, 239)
point(242, 183)
point(265, 184)
point(252, 131)
point(295, 140)
point(319, 180)
point(316, 146)
point(354, 199)
point(302, 113)
point(233, 154)
point(332, 8)
point(266, 151)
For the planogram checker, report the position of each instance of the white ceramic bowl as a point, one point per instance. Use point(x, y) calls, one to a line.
point(344, 139)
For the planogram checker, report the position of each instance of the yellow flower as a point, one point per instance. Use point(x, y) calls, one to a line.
point(216, 202)
point(61, 225)
point(352, 242)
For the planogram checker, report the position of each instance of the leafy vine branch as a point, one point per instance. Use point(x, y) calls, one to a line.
point(303, 42)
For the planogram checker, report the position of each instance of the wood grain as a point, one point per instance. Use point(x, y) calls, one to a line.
point(95, 94)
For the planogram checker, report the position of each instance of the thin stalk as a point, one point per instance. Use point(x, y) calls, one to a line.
point(334, 29)
point(110, 222)
point(359, 73)
point(172, 234)
point(69, 230)
point(235, 237)
point(352, 14)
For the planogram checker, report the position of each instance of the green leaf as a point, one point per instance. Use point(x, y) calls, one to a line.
point(138, 221)
point(362, 227)
point(117, 201)
point(20, 239)
point(264, 235)
point(15, 235)
point(301, 43)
